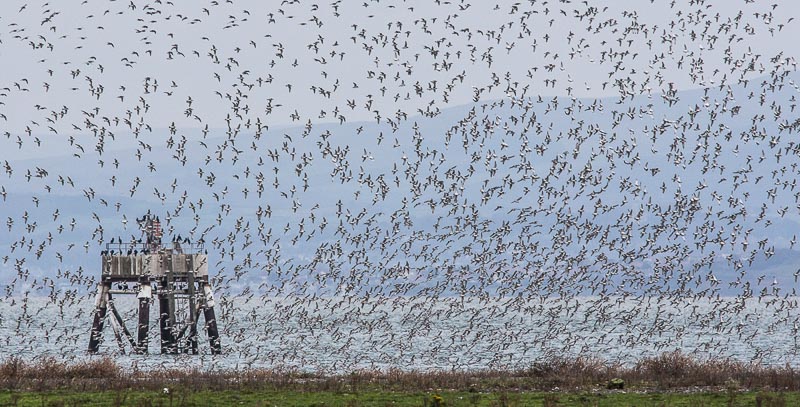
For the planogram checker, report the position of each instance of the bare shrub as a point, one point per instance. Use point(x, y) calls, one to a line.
point(665, 371)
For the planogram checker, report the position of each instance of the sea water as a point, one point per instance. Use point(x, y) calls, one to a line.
point(339, 334)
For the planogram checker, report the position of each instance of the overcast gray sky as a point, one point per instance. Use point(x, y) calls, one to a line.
point(52, 56)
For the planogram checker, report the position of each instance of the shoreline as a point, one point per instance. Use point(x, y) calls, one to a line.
point(672, 372)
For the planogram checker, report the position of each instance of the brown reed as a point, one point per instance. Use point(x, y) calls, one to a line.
point(665, 372)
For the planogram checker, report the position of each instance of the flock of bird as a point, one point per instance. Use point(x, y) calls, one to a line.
point(392, 183)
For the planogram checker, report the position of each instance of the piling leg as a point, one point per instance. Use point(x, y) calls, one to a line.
point(192, 340)
point(115, 327)
point(145, 293)
point(100, 307)
point(211, 320)
point(193, 333)
point(171, 324)
point(119, 326)
point(165, 324)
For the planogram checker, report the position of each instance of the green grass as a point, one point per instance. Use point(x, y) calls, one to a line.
point(668, 372)
point(386, 398)
point(670, 379)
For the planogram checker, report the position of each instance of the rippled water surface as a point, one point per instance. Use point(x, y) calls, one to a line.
point(448, 333)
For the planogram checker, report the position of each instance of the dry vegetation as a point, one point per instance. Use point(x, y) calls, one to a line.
point(669, 371)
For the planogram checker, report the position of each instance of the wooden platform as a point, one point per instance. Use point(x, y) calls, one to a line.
point(180, 282)
point(154, 266)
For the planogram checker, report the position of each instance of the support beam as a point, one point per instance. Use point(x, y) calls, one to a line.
point(170, 293)
point(193, 330)
point(167, 345)
point(144, 296)
point(120, 325)
point(192, 292)
point(100, 306)
point(117, 334)
point(211, 320)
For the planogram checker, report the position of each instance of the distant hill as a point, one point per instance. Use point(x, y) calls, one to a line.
point(668, 182)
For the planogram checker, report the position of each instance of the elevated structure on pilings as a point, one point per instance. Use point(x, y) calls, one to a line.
point(177, 274)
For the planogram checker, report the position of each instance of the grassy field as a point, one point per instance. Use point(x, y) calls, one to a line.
point(671, 379)
point(396, 399)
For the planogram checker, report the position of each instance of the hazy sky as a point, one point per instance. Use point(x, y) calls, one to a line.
point(52, 56)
